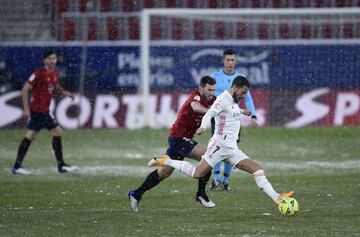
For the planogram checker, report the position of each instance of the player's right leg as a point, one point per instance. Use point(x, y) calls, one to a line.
point(216, 170)
point(185, 167)
point(34, 126)
point(201, 197)
point(155, 177)
point(206, 164)
point(22, 150)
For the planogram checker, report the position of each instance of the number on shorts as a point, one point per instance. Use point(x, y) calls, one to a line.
point(216, 149)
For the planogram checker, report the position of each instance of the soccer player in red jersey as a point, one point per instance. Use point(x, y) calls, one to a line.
point(181, 143)
point(43, 83)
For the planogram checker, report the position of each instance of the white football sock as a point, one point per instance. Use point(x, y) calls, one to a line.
point(264, 184)
point(183, 166)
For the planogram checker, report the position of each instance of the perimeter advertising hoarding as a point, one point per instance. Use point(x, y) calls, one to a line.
point(289, 108)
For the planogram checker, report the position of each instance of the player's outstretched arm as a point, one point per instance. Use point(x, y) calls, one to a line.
point(65, 92)
point(25, 99)
point(198, 108)
point(214, 110)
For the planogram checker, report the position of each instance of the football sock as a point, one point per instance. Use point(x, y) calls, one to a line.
point(23, 148)
point(264, 184)
point(202, 183)
point(151, 181)
point(217, 168)
point(56, 144)
point(227, 172)
point(183, 166)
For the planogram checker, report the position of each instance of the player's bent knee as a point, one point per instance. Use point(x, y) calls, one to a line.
point(57, 132)
point(248, 165)
point(31, 135)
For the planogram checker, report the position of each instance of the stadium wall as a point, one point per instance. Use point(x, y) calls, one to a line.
point(293, 85)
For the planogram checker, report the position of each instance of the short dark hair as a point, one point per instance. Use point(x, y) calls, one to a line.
point(207, 80)
point(48, 53)
point(228, 52)
point(240, 81)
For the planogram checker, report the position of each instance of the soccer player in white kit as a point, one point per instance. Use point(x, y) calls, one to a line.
point(223, 146)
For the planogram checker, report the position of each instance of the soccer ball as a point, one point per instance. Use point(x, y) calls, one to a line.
point(288, 207)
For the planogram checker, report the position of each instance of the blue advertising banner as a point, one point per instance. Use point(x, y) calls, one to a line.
point(180, 67)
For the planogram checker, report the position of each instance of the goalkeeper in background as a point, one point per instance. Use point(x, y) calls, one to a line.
point(224, 79)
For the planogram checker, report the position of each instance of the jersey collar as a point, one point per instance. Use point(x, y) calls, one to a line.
point(229, 97)
point(227, 74)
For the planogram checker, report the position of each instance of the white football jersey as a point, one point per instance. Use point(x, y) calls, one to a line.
point(227, 119)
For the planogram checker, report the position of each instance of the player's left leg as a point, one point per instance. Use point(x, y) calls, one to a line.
point(152, 180)
point(57, 147)
point(227, 172)
point(216, 182)
point(262, 182)
point(196, 153)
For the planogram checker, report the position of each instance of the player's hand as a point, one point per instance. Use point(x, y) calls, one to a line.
point(26, 114)
point(246, 112)
point(200, 131)
point(254, 122)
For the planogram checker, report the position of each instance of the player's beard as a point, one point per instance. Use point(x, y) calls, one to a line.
point(236, 97)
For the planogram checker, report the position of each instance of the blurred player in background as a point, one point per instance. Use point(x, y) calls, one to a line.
point(43, 83)
point(224, 79)
point(222, 146)
point(181, 143)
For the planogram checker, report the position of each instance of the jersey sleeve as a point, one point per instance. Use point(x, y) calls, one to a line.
point(195, 97)
point(214, 110)
point(33, 79)
point(249, 103)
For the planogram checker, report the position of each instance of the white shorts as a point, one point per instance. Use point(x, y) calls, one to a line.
point(217, 152)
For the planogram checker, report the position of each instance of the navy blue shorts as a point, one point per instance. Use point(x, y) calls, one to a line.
point(39, 121)
point(179, 148)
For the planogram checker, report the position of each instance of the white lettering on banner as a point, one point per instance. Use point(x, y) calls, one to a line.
point(256, 74)
point(162, 78)
point(128, 79)
point(197, 74)
point(166, 116)
point(162, 62)
point(105, 108)
point(347, 104)
point(251, 56)
point(159, 75)
point(84, 112)
point(134, 118)
point(8, 113)
point(133, 62)
point(182, 99)
point(128, 59)
point(336, 109)
point(256, 70)
point(310, 109)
